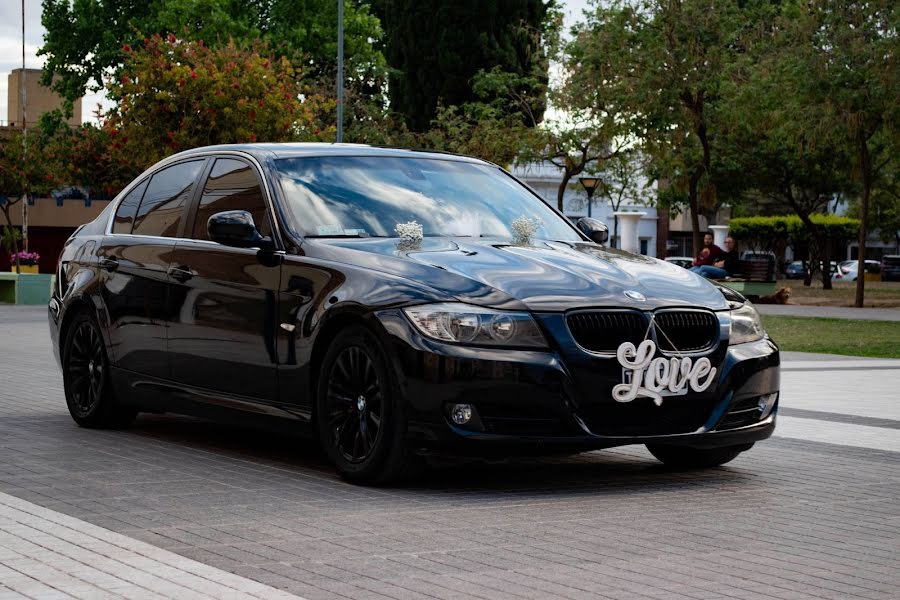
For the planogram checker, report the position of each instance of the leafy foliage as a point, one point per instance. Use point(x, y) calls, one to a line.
point(174, 95)
point(436, 48)
point(85, 40)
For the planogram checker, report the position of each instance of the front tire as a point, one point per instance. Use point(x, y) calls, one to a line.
point(89, 394)
point(685, 457)
point(360, 412)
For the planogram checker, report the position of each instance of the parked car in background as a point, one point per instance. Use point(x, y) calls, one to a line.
point(682, 261)
point(847, 270)
point(890, 267)
point(795, 270)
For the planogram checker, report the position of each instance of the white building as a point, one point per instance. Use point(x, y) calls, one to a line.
point(544, 178)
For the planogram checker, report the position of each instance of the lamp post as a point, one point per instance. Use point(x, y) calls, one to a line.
point(340, 74)
point(590, 185)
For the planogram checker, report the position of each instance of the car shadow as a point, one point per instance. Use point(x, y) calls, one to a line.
point(629, 469)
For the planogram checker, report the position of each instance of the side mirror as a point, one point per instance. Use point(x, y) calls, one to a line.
point(595, 229)
point(236, 228)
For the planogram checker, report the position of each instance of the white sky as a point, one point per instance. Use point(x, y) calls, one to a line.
point(11, 44)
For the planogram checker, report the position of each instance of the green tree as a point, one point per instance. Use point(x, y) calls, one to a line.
point(436, 48)
point(843, 70)
point(173, 95)
point(662, 66)
point(86, 41)
point(25, 169)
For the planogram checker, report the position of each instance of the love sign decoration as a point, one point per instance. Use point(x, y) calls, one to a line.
point(655, 377)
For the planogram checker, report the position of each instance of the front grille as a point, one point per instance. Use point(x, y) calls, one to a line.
point(676, 330)
point(686, 330)
point(606, 331)
point(641, 417)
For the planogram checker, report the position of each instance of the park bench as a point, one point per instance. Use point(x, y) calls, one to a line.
point(27, 288)
point(755, 279)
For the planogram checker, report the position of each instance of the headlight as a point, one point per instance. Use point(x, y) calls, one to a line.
point(465, 324)
point(746, 326)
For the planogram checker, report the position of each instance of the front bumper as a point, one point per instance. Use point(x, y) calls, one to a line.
point(560, 399)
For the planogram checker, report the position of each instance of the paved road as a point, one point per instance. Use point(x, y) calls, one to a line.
point(811, 513)
point(831, 312)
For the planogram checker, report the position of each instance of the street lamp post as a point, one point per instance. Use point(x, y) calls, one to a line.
point(590, 186)
point(340, 73)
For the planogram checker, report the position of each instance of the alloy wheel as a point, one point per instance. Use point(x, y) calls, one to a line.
point(354, 402)
point(85, 369)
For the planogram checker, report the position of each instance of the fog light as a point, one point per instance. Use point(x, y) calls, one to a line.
point(766, 404)
point(461, 413)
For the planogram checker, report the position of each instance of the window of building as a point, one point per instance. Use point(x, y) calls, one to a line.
point(127, 208)
point(161, 209)
point(232, 185)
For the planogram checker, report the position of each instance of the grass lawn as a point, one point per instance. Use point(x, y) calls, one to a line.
point(879, 294)
point(835, 336)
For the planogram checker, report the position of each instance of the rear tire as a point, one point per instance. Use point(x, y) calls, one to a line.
point(360, 412)
point(685, 457)
point(85, 365)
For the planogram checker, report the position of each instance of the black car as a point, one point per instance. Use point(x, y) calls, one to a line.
point(397, 304)
point(890, 267)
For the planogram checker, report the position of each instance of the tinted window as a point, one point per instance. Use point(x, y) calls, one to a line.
point(163, 203)
point(232, 185)
point(128, 208)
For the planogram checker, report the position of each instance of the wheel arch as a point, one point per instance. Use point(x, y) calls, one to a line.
point(326, 334)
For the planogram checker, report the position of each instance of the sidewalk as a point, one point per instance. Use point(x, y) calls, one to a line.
point(45, 554)
point(830, 312)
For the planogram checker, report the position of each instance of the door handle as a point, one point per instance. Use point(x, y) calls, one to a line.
point(109, 263)
point(181, 273)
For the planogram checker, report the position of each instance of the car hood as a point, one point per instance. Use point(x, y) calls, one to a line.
point(545, 276)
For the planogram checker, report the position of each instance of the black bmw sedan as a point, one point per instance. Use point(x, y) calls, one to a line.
point(397, 304)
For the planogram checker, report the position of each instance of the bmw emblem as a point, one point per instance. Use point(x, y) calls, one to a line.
point(635, 295)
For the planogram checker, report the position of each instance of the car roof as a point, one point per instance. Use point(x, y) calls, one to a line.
point(288, 150)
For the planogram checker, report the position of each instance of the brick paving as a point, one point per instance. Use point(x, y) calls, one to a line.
point(791, 519)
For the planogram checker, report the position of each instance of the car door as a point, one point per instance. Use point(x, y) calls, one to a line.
point(134, 259)
point(222, 331)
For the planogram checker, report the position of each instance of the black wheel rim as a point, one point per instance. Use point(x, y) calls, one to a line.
point(85, 369)
point(354, 402)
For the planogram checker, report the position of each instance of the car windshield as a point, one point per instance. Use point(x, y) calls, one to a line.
point(368, 196)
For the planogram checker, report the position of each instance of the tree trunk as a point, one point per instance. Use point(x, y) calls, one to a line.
point(561, 192)
point(865, 165)
point(826, 266)
point(695, 215)
point(15, 242)
point(615, 240)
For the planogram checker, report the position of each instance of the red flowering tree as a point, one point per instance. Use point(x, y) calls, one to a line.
point(173, 95)
point(25, 169)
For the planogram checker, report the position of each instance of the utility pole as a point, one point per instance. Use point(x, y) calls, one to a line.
point(24, 136)
point(340, 73)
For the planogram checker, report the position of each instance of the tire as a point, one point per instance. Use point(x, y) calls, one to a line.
point(360, 412)
point(85, 365)
point(685, 457)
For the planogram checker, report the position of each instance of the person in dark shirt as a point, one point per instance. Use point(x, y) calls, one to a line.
point(709, 254)
point(725, 265)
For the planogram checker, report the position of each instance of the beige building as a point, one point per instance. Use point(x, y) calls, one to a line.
point(39, 99)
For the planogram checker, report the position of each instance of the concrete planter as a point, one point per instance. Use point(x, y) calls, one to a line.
point(27, 288)
point(30, 269)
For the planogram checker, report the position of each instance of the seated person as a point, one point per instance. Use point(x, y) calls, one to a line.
point(725, 265)
point(709, 254)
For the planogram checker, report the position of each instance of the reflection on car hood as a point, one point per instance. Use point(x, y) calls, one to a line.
point(546, 276)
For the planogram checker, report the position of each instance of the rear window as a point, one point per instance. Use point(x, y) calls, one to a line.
point(128, 208)
point(163, 205)
point(891, 261)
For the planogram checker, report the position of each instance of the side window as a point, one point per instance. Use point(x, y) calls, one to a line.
point(232, 185)
point(163, 204)
point(128, 208)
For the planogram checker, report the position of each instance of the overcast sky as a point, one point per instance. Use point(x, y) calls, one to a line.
point(11, 44)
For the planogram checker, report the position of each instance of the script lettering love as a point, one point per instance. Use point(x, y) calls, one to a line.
point(651, 376)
